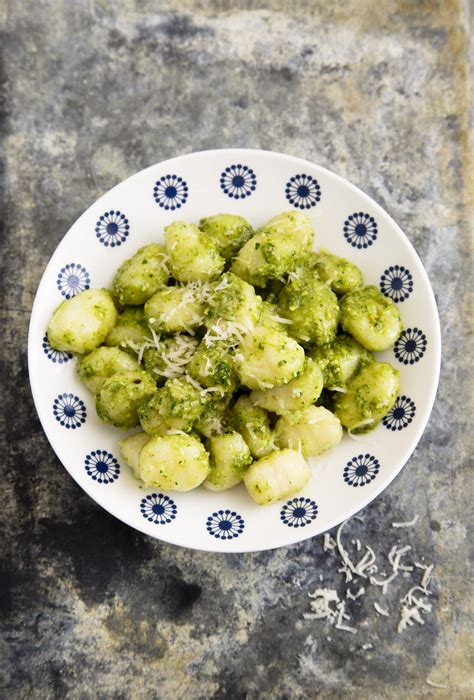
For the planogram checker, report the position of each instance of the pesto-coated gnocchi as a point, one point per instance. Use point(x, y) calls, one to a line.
point(313, 430)
point(232, 299)
point(118, 400)
point(130, 448)
point(228, 231)
point(231, 345)
point(294, 224)
point(213, 368)
point(371, 318)
point(174, 462)
point(170, 356)
point(139, 277)
point(96, 367)
point(193, 256)
point(214, 418)
point(82, 323)
point(294, 396)
point(369, 397)
point(341, 275)
point(173, 407)
point(266, 256)
point(340, 360)
point(312, 308)
point(267, 358)
point(130, 330)
point(229, 460)
point(253, 423)
point(279, 475)
point(175, 309)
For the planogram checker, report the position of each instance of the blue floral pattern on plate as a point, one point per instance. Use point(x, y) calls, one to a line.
point(225, 524)
point(238, 181)
point(411, 346)
point(70, 411)
point(102, 466)
point(396, 283)
point(299, 512)
point(303, 191)
point(361, 470)
point(57, 356)
point(401, 414)
point(158, 508)
point(112, 228)
point(171, 192)
point(72, 279)
point(360, 230)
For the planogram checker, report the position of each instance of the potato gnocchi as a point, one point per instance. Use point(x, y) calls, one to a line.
point(236, 353)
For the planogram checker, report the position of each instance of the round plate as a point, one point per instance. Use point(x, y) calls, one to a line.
point(258, 185)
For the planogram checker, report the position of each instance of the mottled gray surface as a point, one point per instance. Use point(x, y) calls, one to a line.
point(96, 90)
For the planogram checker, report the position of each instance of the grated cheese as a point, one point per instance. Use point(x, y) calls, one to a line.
point(352, 596)
point(329, 542)
point(414, 606)
point(381, 611)
point(435, 685)
point(410, 523)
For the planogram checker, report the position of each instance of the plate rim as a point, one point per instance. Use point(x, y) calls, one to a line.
point(300, 535)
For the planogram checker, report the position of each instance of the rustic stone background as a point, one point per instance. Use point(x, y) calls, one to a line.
point(96, 90)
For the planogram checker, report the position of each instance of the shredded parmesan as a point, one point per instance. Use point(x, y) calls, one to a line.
point(410, 523)
point(352, 596)
point(381, 611)
point(435, 685)
point(414, 605)
point(280, 319)
point(329, 542)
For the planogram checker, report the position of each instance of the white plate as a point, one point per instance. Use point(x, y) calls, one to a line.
point(257, 185)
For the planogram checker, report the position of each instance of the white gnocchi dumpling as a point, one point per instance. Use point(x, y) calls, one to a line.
point(267, 358)
point(82, 323)
point(174, 462)
point(294, 396)
point(313, 430)
point(279, 475)
point(130, 448)
point(229, 460)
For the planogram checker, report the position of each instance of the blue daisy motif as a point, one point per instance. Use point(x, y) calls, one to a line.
point(112, 228)
point(303, 191)
point(225, 524)
point(73, 279)
point(57, 356)
point(171, 192)
point(361, 470)
point(299, 512)
point(411, 346)
point(102, 466)
point(69, 411)
point(396, 283)
point(238, 181)
point(360, 230)
point(401, 414)
point(158, 509)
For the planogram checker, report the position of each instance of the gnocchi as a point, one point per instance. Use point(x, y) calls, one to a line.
point(312, 430)
point(173, 462)
point(82, 323)
point(229, 460)
point(139, 277)
point(279, 475)
point(371, 318)
point(193, 256)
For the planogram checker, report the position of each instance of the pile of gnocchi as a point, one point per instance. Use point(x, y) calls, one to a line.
point(239, 354)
